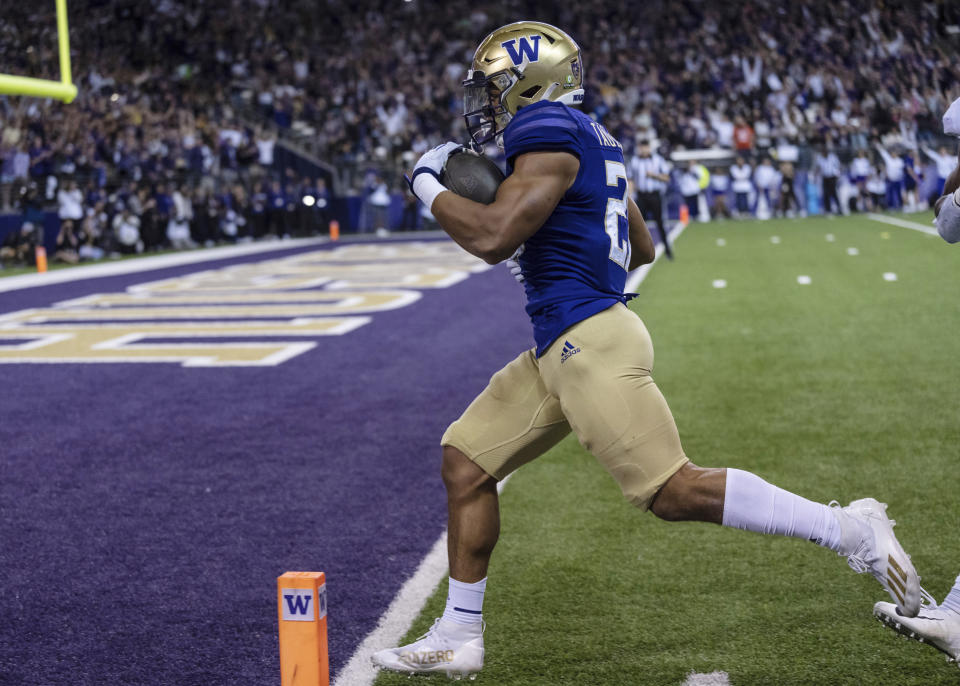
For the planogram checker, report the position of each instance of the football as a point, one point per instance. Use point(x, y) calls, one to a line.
point(472, 176)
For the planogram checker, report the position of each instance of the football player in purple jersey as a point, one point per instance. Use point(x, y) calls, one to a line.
point(565, 217)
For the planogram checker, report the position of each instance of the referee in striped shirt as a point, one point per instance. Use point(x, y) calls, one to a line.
point(650, 174)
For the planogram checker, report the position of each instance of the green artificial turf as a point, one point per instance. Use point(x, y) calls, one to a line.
point(843, 388)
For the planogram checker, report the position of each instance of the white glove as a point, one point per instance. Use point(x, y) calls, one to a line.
point(425, 181)
point(516, 270)
point(951, 120)
point(432, 161)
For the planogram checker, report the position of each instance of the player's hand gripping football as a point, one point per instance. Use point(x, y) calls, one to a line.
point(425, 179)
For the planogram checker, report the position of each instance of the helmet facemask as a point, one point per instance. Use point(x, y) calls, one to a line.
point(518, 65)
point(483, 110)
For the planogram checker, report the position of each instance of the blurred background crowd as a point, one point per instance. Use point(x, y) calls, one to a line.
point(219, 125)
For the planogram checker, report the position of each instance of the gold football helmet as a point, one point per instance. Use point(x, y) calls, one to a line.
point(517, 65)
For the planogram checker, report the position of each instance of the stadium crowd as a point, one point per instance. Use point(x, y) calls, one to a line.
point(745, 76)
point(172, 139)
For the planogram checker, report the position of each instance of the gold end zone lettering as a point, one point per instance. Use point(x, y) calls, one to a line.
point(206, 319)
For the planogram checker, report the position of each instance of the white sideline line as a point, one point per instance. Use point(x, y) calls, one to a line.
point(142, 264)
point(636, 277)
point(396, 621)
point(711, 679)
point(408, 603)
point(902, 223)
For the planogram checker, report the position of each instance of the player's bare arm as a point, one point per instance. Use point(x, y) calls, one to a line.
point(642, 249)
point(524, 202)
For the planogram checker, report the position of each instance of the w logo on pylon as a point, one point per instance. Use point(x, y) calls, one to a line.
point(298, 605)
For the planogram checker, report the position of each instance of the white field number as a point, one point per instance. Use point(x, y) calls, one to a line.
point(616, 208)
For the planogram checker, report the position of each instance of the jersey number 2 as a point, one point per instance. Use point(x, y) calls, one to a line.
point(616, 208)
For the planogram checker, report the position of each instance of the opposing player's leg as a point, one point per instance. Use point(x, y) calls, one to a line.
point(513, 421)
point(618, 413)
point(935, 626)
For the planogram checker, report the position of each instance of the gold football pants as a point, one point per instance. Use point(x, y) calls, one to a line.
point(594, 379)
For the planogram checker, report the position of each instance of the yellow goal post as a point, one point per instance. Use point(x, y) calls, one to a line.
point(45, 88)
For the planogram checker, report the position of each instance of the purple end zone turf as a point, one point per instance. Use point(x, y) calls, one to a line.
point(147, 509)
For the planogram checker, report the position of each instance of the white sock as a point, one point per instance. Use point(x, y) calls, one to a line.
point(952, 601)
point(753, 504)
point(465, 601)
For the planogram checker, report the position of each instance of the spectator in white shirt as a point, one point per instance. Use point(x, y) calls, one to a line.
point(860, 169)
point(178, 228)
point(690, 187)
point(70, 202)
point(945, 162)
point(393, 116)
point(742, 173)
point(126, 229)
point(265, 145)
point(765, 178)
point(894, 172)
point(724, 130)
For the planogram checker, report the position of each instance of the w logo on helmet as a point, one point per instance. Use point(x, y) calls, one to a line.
point(529, 49)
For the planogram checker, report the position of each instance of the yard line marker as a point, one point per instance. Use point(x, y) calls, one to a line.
point(903, 223)
point(711, 679)
point(396, 621)
point(636, 277)
point(889, 276)
point(853, 252)
point(411, 598)
point(804, 280)
point(719, 283)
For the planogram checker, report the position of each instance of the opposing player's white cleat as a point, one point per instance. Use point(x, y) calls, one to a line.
point(877, 551)
point(933, 625)
point(453, 649)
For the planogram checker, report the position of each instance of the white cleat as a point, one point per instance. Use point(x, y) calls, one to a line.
point(450, 648)
point(879, 552)
point(933, 625)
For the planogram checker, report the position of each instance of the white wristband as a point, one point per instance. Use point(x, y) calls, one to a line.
point(427, 188)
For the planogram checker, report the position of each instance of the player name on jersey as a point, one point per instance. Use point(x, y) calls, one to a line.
point(604, 137)
point(255, 314)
